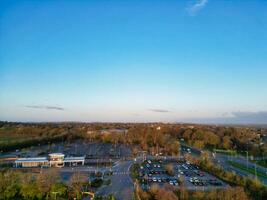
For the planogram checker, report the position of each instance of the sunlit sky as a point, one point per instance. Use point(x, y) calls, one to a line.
point(134, 61)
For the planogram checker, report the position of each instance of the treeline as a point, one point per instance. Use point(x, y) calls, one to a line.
point(170, 193)
point(142, 137)
point(229, 138)
point(17, 136)
point(13, 145)
point(200, 136)
point(151, 137)
point(165, 140)
point(41, 186)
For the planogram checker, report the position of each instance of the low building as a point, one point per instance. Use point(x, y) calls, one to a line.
point(74, 161)
point(114, 131)
point(32, 162)
point(56, 159)
point(53, 160)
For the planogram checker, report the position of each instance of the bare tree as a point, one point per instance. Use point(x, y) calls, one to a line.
point(77, 182)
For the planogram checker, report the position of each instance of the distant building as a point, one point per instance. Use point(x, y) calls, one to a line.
point(114, 131)
point(53, 160)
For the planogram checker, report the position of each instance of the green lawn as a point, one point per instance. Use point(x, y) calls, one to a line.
point(9, 135)
point(226, 152)
point(262, 163)
point(249, 170)
point(8, 138)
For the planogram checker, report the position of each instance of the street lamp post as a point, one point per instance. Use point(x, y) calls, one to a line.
point(247, 159)
point(55, 193)
point(255, 171)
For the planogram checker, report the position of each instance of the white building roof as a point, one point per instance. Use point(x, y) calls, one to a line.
point(45, 159)
point(74, 159)
point(56, 155)
point(37, 159)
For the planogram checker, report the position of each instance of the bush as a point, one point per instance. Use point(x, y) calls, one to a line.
point(135, 171)
point(96, 182)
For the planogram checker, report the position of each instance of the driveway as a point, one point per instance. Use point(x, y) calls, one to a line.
point(121, 183)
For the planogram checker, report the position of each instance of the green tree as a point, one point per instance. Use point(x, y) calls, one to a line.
point(58, 190)
point(9, 184)
point(30, 191)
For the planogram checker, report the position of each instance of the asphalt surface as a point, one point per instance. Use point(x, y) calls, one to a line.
point(75, 148)
point(194, 178)
point(67, 172)
point(121, 184)
point(221, 159)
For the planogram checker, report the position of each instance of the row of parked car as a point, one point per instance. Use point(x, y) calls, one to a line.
point(198, 182)
point(191, 173)
point(156, 173)
point(152, 172)
point(188, 166)
point(197, 177)
point(171, 181)
point(190, 170)
point(152, 168)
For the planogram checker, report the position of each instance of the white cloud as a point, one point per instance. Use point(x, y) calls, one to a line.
point(199, 5)
point(240, 117)
point(44, 107)
point(159, 110)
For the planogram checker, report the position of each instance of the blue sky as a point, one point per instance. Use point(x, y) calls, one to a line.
point(143, 60)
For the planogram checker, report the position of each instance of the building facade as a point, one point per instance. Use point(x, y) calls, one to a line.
point(53, 160)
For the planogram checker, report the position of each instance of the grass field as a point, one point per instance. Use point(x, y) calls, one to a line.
point(7, 135)
point(262, 163)
point(8, 138)
point(226, 152)
point(249, 170)
point(11, 137)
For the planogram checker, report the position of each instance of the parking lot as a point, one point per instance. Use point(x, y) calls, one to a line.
point(196, 179)
point(177, 173)
point(75, 148)
point(155, 172)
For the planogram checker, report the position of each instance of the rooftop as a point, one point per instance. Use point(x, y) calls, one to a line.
point(74, 158)
point(56, 155)
point(37, 159)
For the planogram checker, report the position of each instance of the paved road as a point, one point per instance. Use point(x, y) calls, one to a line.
point(67, 172)
point(222, 159)
point(121, 184)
